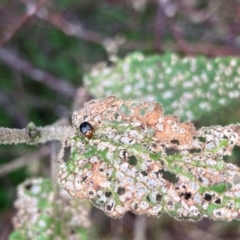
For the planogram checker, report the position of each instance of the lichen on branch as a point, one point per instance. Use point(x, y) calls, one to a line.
point(137, 159)
point(33, 135)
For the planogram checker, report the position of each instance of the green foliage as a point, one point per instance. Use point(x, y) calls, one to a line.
point(189, 87)
point(42, 217)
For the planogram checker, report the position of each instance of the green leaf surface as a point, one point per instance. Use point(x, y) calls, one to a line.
point(189, 87)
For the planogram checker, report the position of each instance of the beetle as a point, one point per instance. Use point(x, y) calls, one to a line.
point(86, 129)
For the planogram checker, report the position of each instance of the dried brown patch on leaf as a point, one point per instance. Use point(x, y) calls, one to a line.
point(98, 177)
point(151, 117)
point(166, 129)
point(171, 131)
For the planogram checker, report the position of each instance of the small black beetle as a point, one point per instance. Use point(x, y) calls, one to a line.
point(86, 129)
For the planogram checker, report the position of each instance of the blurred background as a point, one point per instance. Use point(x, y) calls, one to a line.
point(46, 47)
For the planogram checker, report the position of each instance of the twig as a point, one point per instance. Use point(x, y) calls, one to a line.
point(110, 44)
point(6, 225)
point(140, 228)
point(71, 29)
point(162, 9)
point(199, 15)
point(183, 45)
point(194, 233)
point(159, 29)
point(55, 148)
point(80, 98)
point(57, 84)
point(22, 161)
point(27, 135)
point(207, 49)
point(76, 30)
point(23, 19)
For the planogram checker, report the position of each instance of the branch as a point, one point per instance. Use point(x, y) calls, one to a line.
point(31, 11)
point(164, 9)
point(160, 24)
point(34, 135)
point(22, 161)
point(75, 29)
point(205, 49)
point(199, 16)
point(59, 85)
point(69, 28)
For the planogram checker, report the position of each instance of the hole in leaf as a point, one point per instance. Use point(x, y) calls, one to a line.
point(120, 191)
point(125, 110)
point(171, 151)
point(28, 186)
point(151, 132)
point(136, 206)
point(202, 139)
point(84, 117)
point(195, 150)
point(84, 178)
point(66, 153)
point(170, 203)
point(116, 115)
point(175, 141)
point(154, 145)
point(218, 201)
point(110, 63)
point(159, 197)
point(109, 207)
point(207, 197)
point(186, 195)
point(123, 153)
point(171, 177)
point(142, 112)
point(144, 173)
point(108, 194)
point(132, 160)
point(91, 193)
point(234, 157)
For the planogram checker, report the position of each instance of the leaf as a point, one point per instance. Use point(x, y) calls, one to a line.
point(41, 216)
point(137, 159)
point(189, 87)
